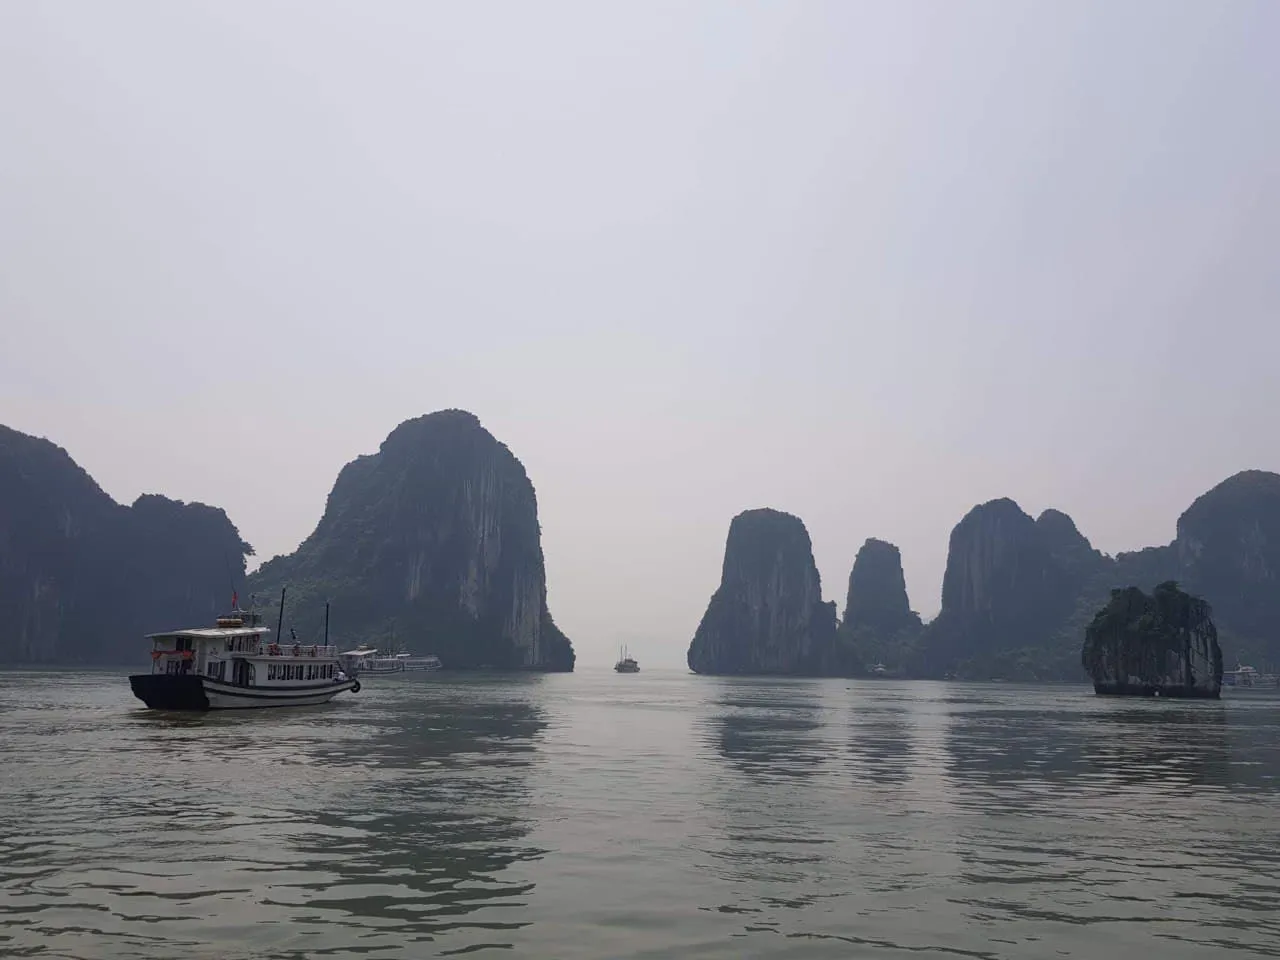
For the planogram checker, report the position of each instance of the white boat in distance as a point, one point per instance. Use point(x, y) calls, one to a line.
point(234, 666)
point(366, 659)
point(1247, 678)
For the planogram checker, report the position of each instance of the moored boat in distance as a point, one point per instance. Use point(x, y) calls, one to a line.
point(626, 664)
point(366, 659)
point(235, 665)
point(412, 663)
point(1247, 678)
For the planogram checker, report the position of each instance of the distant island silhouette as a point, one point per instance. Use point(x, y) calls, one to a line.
point(433, 543)
point(1017, 595)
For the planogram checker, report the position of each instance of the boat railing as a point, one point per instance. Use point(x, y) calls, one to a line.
point(306, 651)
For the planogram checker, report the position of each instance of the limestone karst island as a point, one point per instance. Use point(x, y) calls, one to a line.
point(434, 539)
point(1018, 596)
point(436, 535)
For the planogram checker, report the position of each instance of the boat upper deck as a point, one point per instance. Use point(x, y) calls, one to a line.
point(210, 633)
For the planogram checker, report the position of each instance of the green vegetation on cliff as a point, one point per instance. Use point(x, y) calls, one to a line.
point(432, 543)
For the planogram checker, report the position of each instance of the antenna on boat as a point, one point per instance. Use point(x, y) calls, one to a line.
point(280, 622)
point(326, 623)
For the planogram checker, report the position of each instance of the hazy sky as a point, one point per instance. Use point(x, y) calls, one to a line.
point(870, 263)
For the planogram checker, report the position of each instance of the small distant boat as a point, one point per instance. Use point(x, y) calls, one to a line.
point(235, 665)
point(625, 663)
point(1247, 678)
point(409, 662)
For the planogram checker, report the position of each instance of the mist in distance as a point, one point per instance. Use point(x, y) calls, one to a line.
point(867, 263)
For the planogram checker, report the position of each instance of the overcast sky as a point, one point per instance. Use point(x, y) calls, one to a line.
point(869, 263)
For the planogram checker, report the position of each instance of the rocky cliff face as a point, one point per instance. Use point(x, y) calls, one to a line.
point(1010, 588)
point(877, 598)
point(1228, 550)
point(49, 509)
point(82, 578)
point(1164, 644)
point(433, 542)
point(1018, 595)
point(879, 628)
point(767, 617)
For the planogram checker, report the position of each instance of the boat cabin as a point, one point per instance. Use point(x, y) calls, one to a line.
point(239, 650)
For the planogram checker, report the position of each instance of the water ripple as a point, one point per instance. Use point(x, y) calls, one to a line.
point(648, 816)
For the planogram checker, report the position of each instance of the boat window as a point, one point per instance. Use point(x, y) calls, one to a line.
point(222, 669)
point(271, 671)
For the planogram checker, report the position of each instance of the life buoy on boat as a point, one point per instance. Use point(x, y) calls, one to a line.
point(355, 686)
point(156, 654)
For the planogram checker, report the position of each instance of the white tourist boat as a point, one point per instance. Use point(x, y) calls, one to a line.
point(1247, 678)
point(411, 663)
point(235, 665)
point(365, 659)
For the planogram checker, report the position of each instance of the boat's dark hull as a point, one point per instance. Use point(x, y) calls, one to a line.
point(162, 691)
point(166, 691)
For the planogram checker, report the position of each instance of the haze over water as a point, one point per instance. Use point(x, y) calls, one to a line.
point(870, 263)
point(660, 815)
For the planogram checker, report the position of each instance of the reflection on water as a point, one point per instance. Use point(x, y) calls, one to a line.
point(447, 827)
point(653, 815)
point(374, 825)
point(766, 729)
point(1157, 746)
point(880, 741)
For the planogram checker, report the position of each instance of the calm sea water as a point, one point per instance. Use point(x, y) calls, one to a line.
point(656, 815)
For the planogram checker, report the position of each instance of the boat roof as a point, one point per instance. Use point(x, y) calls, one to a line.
point(361, 652)
point(211, 633)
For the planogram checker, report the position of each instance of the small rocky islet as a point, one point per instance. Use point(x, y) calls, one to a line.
point(1158, 644)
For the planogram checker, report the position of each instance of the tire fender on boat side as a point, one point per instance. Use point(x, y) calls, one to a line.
point(355, 687)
